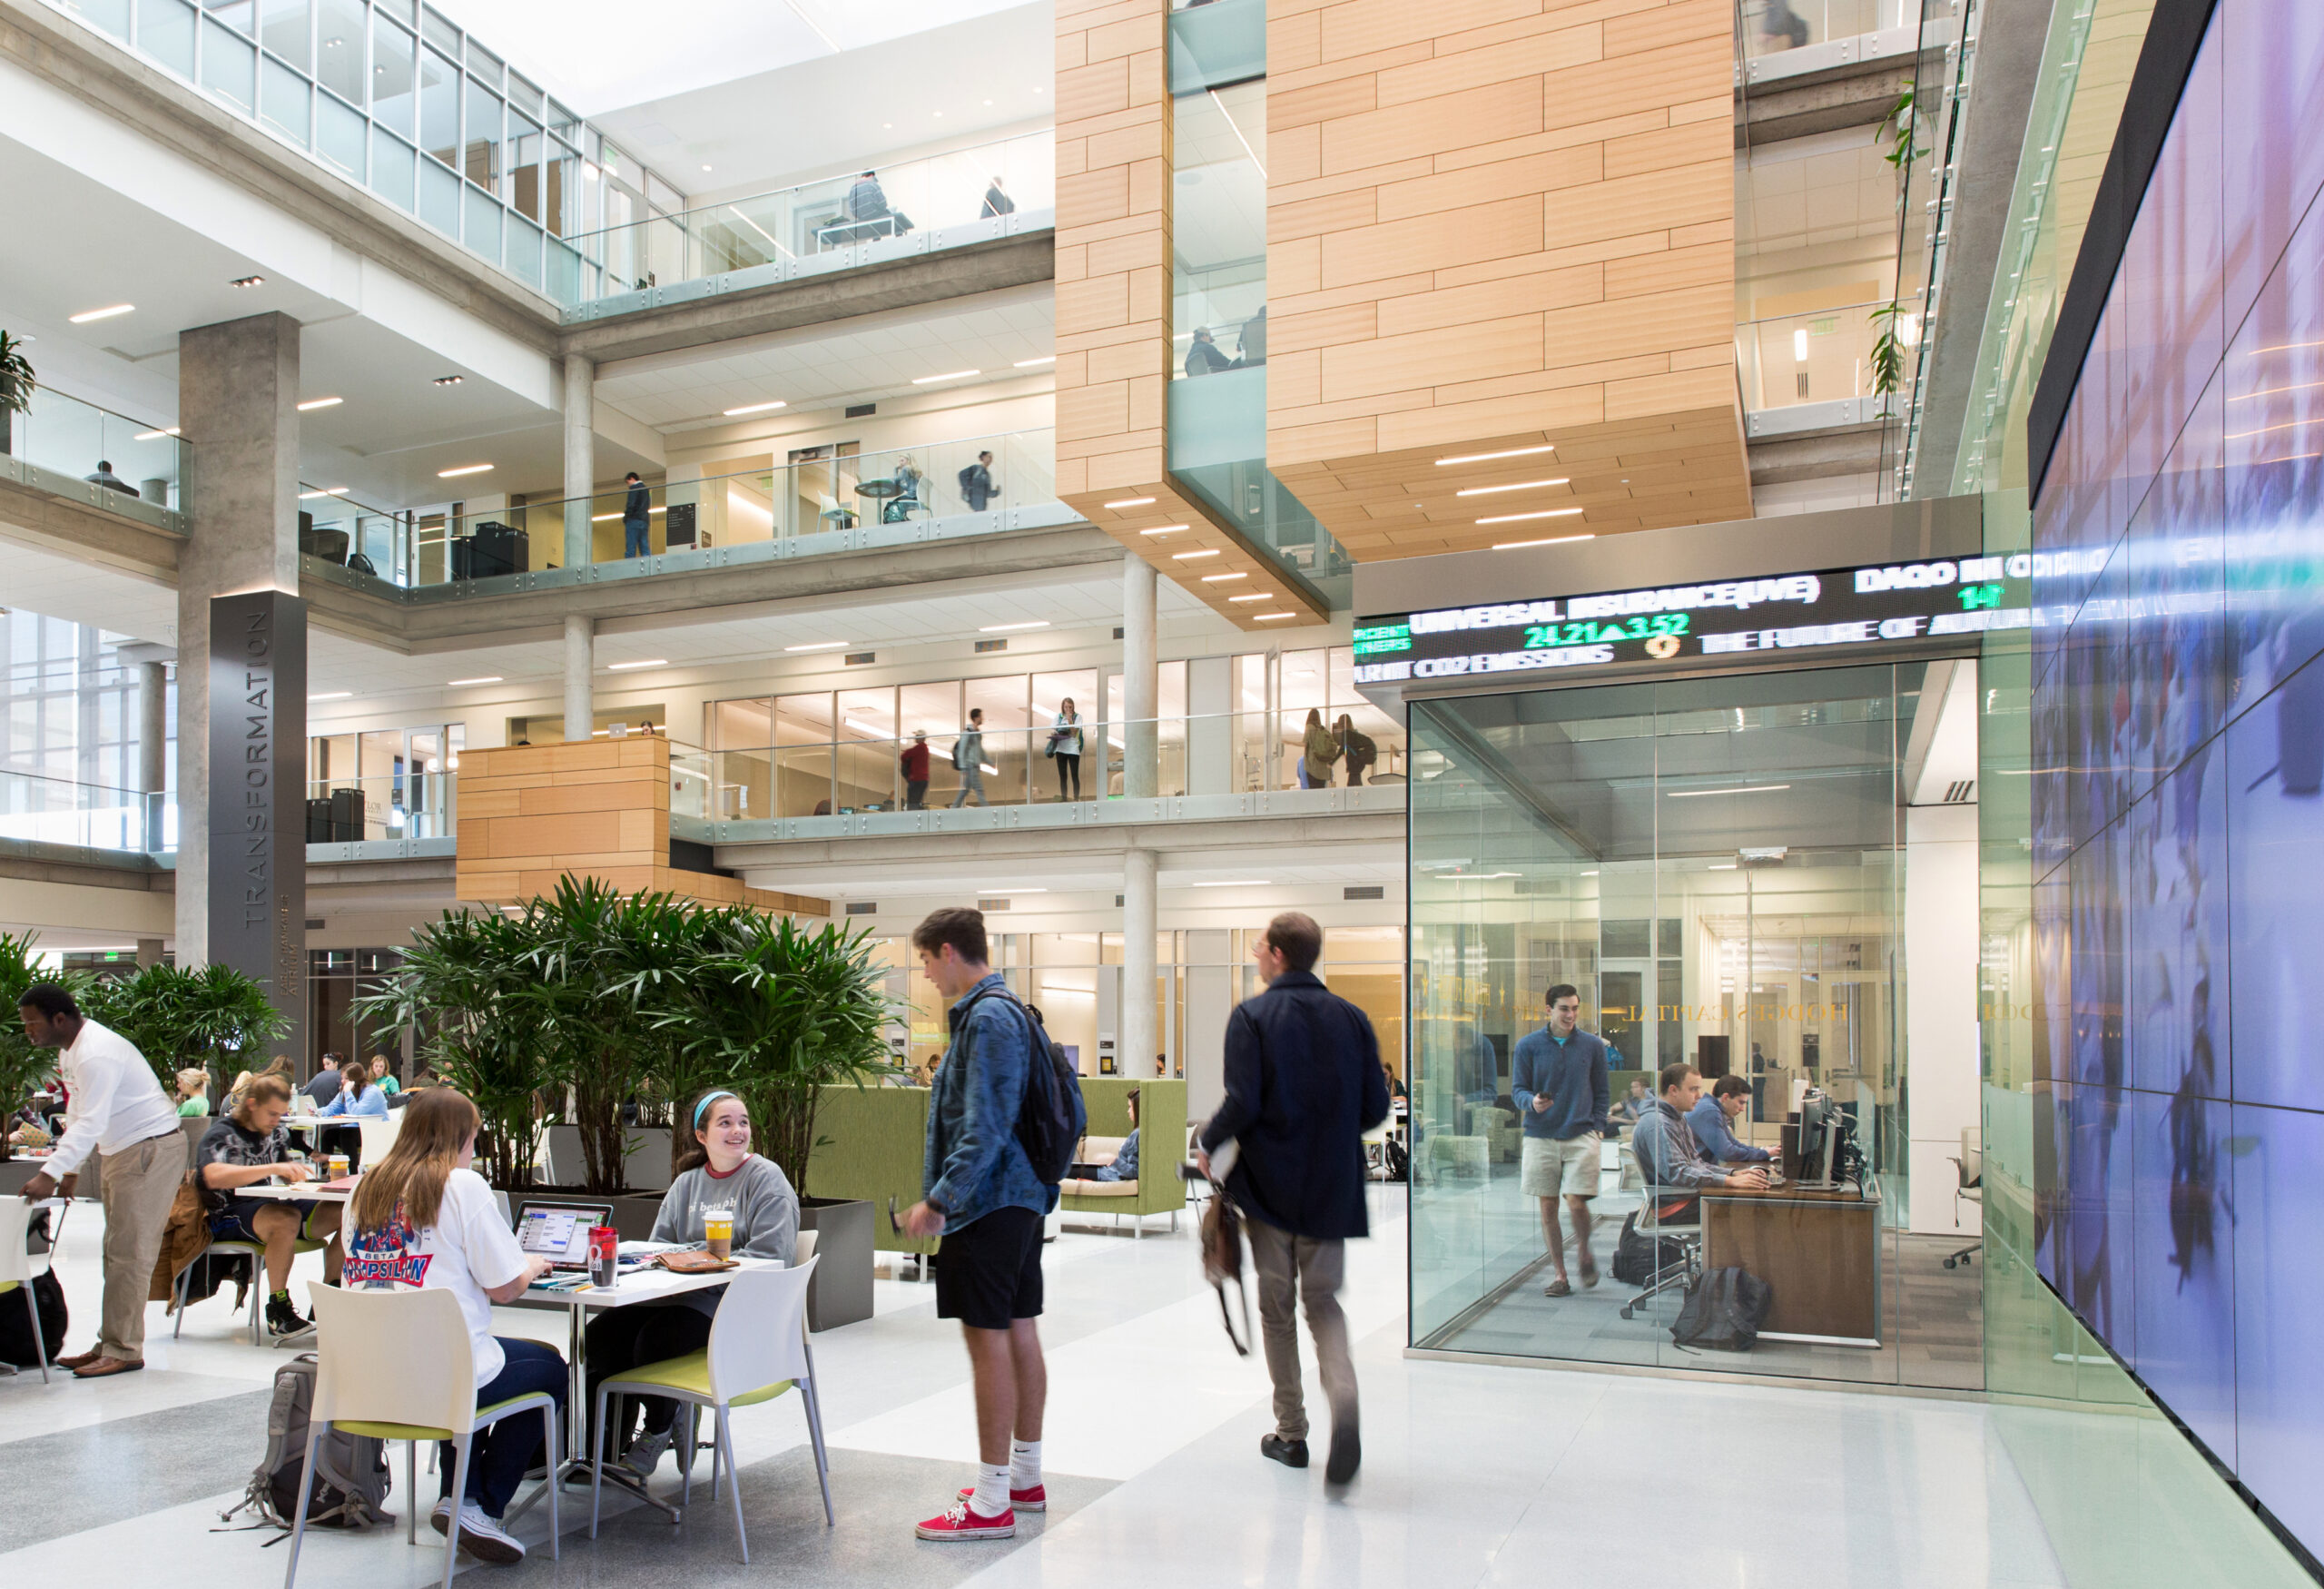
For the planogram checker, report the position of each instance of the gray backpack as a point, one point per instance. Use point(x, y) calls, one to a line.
point(352, 1481)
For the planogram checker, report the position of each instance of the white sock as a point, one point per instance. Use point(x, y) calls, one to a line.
point(992, 1499)
point(1024, 1464)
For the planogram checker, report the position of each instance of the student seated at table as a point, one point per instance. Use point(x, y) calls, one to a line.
point(716, 1170)
point(357, 1095)
point(384, 1077)
point(1123, 1166)
point(1712, 1123)
point(243, 1149)
point(423, 1219)
point(194, 1095)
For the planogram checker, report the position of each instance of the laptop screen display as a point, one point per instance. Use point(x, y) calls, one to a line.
point(560, 1235)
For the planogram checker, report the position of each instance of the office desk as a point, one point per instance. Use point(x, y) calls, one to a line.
point(1819, 1249)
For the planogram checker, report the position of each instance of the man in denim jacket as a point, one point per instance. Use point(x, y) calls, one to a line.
point(985, 1200)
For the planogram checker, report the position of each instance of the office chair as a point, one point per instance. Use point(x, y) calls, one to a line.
point(1970, 1167)
point(1674, 1216)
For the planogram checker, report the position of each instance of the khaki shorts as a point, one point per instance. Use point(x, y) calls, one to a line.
point(1551, 1167)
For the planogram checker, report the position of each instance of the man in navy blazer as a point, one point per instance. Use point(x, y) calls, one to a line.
point(1304, 1083)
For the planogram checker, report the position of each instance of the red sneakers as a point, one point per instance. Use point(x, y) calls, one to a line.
point(959, 1523)
point(1036, 1499)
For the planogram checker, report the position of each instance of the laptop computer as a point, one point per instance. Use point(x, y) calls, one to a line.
point(560, 1232)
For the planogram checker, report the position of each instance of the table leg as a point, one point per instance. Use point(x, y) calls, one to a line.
point(576, 1469)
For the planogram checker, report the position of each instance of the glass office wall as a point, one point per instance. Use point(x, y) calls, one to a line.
point(1716, 866)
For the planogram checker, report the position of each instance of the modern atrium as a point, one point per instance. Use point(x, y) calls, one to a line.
point(650, 650)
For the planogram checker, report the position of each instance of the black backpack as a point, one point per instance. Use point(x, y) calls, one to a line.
point(1052, 1120)
point(1724, 1311)
point(16, 1344)
point(352, 1483)
point(1639, 1258)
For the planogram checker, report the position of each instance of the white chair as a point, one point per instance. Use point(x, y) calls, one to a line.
point(400, 1365)
point(255, 1252)
point(377, 1134)
point(758, 1349)
point(20, 1266)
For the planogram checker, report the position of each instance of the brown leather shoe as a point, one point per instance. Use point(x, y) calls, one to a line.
point(79, 1360)
point(105, 1365)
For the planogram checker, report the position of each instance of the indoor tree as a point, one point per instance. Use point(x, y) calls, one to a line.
point(23, 1067)
point(17, 383)
point(211, 1018)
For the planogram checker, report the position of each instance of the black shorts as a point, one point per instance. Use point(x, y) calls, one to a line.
point(238, 1220)
point(989, 1273)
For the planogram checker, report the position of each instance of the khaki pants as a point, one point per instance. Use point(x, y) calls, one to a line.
point(1293, 1270)
point(137, 1187)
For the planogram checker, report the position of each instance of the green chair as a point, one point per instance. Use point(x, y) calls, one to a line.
point(872, 1143)
point(1162, 1131)
point(400, 1365)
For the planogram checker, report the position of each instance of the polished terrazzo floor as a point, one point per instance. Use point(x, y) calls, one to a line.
point(1473, 1475)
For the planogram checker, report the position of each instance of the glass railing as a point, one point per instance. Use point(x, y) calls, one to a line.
point(90, 817)
point(808, 221)
point(1228, 753)
point(1822, 356)
point(1770, 27)
point(846, 503)
point(86, 451)
point(384, 806)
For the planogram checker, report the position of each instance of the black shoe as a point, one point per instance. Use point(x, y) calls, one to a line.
point(1290, 1453)
point(282, 1315)
point(1347, 1456)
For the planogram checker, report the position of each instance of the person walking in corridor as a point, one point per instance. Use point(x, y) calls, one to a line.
point(1304, 1083)
point(967, 759)
point(636, 520)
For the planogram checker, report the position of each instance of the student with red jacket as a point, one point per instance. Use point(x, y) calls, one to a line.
point(914, 761)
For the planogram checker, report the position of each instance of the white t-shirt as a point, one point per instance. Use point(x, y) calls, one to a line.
point(468, 1248)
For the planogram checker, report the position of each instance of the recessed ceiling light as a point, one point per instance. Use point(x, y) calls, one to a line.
point(1028, 363)
point(1235, 883)
point(86, 316)
point(487, 678)
point(154, 435)
point(1268, 617)
point(1720, 866)
point(649, 662)
point(1164, 529)
point(948, 375)
point(1257, 596)
point(450, 380)
point(1518, 518)
point(465, 468)
point(1738, 789)
point(247, 281)
point(755, 409)
point(1482, 457)
point(1131, 502)
point(1222, 579)
point(1522, 486)
point(705, 168)
point(887, 127)
point(822, 646)
point(1190, 557)
point(311, 404)
point(1037, 88)
point(936, 113)
point(332, 695)
point(1555, 540)
point(326, 492)
point(1004, 628)
point(988, 102)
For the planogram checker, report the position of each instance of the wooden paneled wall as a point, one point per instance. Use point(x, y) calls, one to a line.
point(532, 813)
point(1113, 311)
point(1501, 226)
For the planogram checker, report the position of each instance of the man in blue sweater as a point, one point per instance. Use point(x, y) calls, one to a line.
point(1558, 1084)
point(1712, 1120)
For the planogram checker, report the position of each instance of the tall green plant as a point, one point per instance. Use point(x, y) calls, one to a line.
point(213, 1018)
point(780, 1011)
point(17, 384)
point(464, 983)
point(23, 1067)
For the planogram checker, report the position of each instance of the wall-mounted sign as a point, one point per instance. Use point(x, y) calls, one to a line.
point(1887, 604)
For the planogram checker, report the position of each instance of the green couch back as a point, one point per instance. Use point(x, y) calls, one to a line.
point(870, 1143)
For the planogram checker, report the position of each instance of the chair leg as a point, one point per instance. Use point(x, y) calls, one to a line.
point(685, 1463)
point(555, 1482)
point(815, 1433)
point(40, 1342)
point(412, 1491)
point(715, 1451)
point(734, 1484)
point(184, 1275)
point(461, 1448)
point(299, 1512)
point(597, 1461)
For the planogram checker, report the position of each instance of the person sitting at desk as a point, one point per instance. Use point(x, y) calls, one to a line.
point(1123, 1166)
point(383, 1077)
point(423, 1219)
point(1668, 1156)
point(1708, 1120)
point(1632, 1105)
point(357, 1095)
point(247, 1147)
point(716, 1170)
point(324, 1085)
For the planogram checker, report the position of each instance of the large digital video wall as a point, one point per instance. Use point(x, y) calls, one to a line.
point(2179, 779)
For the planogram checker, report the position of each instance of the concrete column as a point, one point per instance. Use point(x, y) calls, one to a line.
point(149, 952)
point(1139, 1039)
point(580, 664)
point(580, 454)
point(1141, 692)
point(237, 396)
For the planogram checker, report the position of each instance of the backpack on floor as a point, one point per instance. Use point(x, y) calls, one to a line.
point(1724, 1311)
point(16, 1327)
point(1640, 1258)
point(351, 1481)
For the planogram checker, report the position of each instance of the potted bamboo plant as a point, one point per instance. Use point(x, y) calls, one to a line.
point(17, 383)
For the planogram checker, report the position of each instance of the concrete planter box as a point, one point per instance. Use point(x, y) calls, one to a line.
point(646, 1167)
point(841, 1292)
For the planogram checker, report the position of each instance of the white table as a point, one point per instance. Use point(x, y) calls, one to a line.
point(637, 1285)
point(305, 1191)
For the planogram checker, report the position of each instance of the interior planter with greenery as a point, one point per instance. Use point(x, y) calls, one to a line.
point(17, 383)
point(577, 1004)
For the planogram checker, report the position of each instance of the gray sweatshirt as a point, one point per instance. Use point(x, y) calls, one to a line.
point(766, 1216)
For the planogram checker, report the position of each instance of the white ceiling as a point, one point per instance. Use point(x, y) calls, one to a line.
point(842, 361)
point(1067, 873)
point(1220, 213)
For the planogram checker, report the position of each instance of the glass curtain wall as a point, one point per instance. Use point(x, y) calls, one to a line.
point(1716, 866)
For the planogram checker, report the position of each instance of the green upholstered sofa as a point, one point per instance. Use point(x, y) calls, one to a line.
point(1162, 1140)
point(869, 1144)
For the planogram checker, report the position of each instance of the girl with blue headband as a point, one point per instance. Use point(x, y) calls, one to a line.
point(717, 1172)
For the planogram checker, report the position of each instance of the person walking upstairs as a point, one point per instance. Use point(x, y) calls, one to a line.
point(1304, 1083)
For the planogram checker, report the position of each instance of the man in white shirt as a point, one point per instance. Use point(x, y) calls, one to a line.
point(116, 1108)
